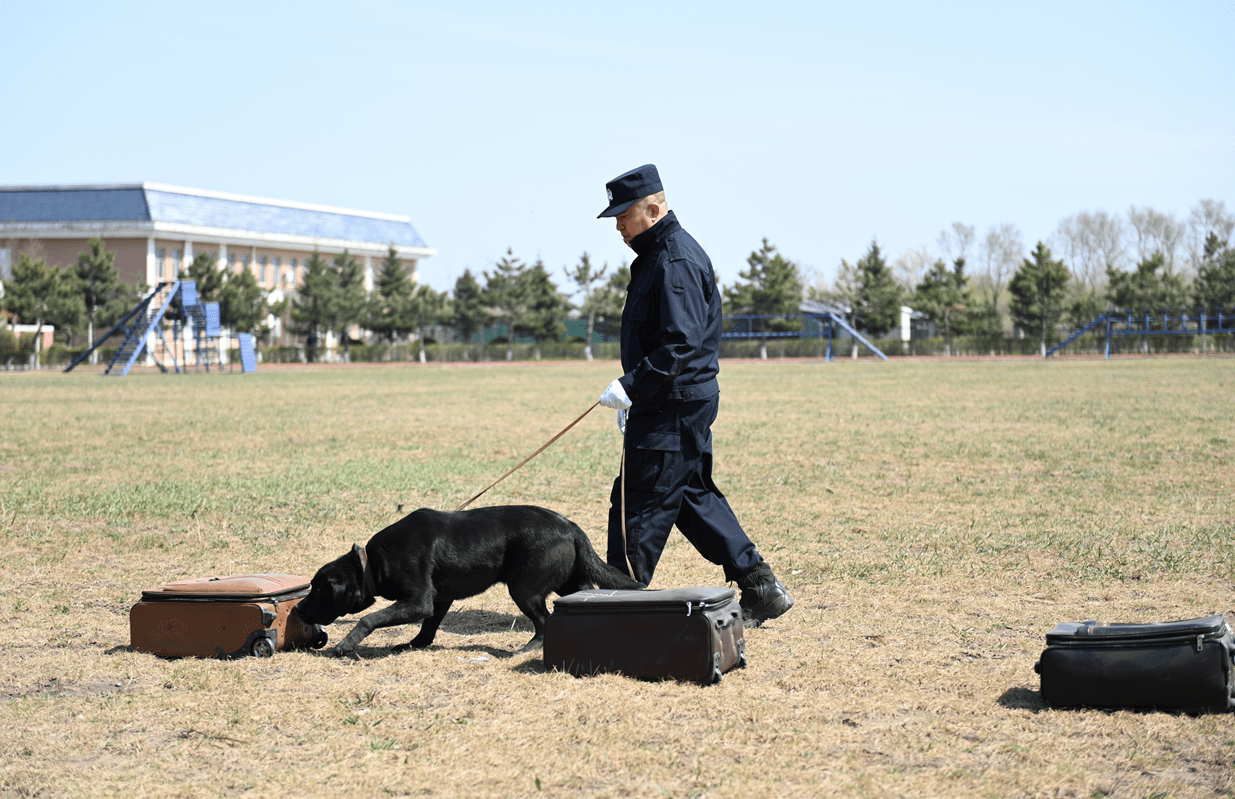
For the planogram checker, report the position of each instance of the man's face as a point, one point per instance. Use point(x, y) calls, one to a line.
point(633, 221)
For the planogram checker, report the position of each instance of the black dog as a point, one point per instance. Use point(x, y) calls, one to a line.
point(430, 558)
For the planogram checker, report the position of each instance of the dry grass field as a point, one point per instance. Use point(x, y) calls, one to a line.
point(933, 520)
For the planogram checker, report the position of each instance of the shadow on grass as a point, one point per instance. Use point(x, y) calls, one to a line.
point(1023, 699)
point(480, 622)
point(488, 650)
point(533, 666)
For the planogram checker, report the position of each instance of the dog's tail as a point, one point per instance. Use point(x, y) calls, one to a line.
point(591, 569)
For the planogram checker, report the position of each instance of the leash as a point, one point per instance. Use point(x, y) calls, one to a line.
point(369, 586)
point(622, 476)
point(543, 447)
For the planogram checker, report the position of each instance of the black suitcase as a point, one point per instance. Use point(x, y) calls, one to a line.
point(688, 634)
point(1183, 666)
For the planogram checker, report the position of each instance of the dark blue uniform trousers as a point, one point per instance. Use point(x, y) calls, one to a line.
point(668, 476)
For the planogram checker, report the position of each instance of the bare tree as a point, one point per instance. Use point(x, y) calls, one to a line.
point(1090, 242)
point(957, 241)
point(999, 256)
point(910, 266)
point(1107, 240)
point(1209, 216)
point(1156, 233)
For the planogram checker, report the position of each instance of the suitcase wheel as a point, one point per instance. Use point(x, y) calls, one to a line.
point(320, 638)
point(263, 648)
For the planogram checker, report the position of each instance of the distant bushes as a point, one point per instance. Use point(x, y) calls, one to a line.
point(15, 354)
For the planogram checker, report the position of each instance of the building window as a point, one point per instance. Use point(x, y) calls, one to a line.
point(261, 269)
point(290, 277)
point(278, 267)
point(159, 255)
point(177, 257)
point(6, 264)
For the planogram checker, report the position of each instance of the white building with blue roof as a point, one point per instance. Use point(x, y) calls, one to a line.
point(156, 230)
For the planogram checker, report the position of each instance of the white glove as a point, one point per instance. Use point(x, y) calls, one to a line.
point(622, 420)
point(615, 397)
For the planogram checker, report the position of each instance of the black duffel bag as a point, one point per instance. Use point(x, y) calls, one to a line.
point(1181, 666)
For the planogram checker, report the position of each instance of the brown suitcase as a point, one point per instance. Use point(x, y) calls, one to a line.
point(689, 634)
point(223, 617)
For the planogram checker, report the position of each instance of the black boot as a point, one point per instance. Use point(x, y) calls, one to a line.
point(763, 596)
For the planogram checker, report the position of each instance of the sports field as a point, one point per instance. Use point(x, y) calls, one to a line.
point(932, 519)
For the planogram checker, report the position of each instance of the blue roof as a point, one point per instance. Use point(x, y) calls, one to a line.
point(149, 204)
point(73, 205)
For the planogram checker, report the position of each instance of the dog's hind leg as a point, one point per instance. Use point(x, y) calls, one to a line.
point(428, 629)
point(533, 606)
point(404, 611)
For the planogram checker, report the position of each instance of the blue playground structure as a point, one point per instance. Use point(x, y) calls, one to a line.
point(1162, 323)
point(820, 321)
point(144, 330)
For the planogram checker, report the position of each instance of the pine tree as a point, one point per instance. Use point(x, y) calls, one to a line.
point(126, 297)
point(424, 308)
point(313, 306)
point(242, 304)
point(1147, 288)
point(39, 294)
point(350, 300)
point(773, 287)
point(99, 281)
point(205, 272)
point(469, 312)
point(1038, 290)
point(610, 300)
point(390, 302)
point(877, 303)
point(507, 292)
point(545, 306)
point(585, 277)
point(944, 294)
point(1215, 278)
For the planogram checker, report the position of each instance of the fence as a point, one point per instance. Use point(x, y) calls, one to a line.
point(1167, 330)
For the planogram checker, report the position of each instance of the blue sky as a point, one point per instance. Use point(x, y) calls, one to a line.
point(496, 125)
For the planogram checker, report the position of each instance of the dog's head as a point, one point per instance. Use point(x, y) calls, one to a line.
point(336, 590)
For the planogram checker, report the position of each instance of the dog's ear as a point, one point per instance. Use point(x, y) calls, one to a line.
point(356, 549)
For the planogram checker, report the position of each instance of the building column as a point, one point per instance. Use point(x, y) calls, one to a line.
point(368, 274)
point(150, 279)
point(188, 256)
point(223, 263)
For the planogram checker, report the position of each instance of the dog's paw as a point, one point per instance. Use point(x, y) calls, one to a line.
point(533, 645)
point(343, 651)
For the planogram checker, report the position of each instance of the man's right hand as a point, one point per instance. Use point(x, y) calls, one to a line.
point(615, 397)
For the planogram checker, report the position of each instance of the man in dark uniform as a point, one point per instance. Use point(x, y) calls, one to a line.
point(667, 400)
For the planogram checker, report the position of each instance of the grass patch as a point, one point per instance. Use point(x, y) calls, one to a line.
point(932, 519)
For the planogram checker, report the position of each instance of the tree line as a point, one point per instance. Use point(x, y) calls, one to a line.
point(1149, 261)
point(88, 297)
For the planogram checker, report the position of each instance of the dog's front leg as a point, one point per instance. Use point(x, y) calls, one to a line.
point(401, 612)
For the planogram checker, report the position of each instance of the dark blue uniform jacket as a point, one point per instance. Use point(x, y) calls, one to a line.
point(671, 323)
